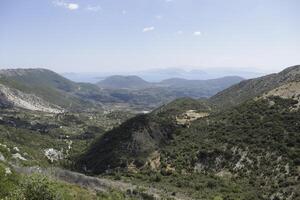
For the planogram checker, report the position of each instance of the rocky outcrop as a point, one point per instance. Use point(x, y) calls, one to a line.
point(287, 91)
point(53, 154)
point(27, 101)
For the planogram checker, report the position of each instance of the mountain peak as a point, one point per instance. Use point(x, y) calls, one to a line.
point(118, 81)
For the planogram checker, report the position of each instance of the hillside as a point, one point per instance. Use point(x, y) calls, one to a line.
point(44, 90)
point(134, 141)
point(254, 144)
point(255, 87)
point(124, 82)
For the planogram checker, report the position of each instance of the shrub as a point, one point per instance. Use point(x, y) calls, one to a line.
point(35, 187)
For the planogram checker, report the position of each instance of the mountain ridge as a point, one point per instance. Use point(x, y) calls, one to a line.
point(255, 87)
point(45, 86)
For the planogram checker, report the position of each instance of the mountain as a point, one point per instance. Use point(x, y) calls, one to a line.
point(254, 87)
point(143, 95)
point(44, 90)
point(135, 82)
point(160, 74)
point(157, 75)
point(136, 139)
point(124, 82)
point(253, 144)
point(217, 84)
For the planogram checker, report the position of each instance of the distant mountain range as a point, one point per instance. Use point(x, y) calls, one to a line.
point(157, 75)
point(135, 82)
point(47, 91)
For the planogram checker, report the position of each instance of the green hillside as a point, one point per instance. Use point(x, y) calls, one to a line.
point(248, 151)
point(50, 86)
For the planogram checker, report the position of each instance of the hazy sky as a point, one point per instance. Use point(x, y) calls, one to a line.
point(120, 35)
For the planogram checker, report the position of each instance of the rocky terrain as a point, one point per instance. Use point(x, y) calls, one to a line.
point(27, 101)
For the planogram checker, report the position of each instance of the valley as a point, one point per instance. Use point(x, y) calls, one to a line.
point(217, 139)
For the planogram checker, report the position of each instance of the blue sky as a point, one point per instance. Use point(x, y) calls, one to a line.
point(128, 35)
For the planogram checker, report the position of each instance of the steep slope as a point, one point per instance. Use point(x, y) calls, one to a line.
point(254, 144)
point(124, 82)
point(41, 89)
point(134, 142)
point(249, 89)
point(258, 141)
point(27, 101)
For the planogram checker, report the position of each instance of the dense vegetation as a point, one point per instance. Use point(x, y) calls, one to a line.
point(222, 151)
point(134, 141)
point(249, 152)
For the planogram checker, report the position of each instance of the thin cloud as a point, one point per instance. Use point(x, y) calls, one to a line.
point(158, 17)
point(197, 33)
point(124, 12)
point(93, 8)
point(69, 6)
point(147, 29)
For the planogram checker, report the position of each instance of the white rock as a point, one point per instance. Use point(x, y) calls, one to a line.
point(16, 149)
point(7, 171)
point(53, 154)
point(18, 156)
point(2, 158)
point(28, 101)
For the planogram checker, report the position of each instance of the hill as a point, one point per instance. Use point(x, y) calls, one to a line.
point(134, 141)
point(254, 144)
point(123, 82)
point(254, 87)
point(147, 96)
point(44, 90)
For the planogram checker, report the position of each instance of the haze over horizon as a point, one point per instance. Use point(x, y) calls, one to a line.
point(137, 35)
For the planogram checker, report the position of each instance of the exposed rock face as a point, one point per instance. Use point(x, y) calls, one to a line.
point(27, 101)
point(18, 156)
point(53, 154)
point(287, 91)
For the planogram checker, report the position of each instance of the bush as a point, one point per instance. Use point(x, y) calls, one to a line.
point(35, 187)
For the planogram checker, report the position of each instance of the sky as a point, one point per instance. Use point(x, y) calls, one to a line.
point(134, 35)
